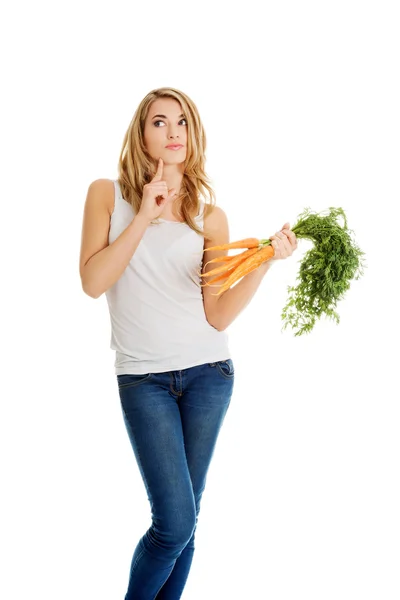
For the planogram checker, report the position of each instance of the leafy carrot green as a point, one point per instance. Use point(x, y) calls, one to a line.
point(326, 270)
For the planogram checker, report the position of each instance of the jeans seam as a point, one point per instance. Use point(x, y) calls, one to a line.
point(137, 559)
point(226, 375)
point(133, 383)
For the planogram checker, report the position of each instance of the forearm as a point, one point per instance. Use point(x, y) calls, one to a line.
point(105, 268)
point(231, 302)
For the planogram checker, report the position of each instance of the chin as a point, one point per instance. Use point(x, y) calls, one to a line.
point(178, 161)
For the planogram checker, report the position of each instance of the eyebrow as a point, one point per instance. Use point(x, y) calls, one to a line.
point(165, 117)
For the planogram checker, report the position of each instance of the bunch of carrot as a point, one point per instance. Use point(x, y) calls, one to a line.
point(325, 271)
point(258, 251)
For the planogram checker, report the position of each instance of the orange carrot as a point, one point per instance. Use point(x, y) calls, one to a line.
point(233, 262)
point(246, 243)
point(248, 265)
point(228, 258)
point(219, 259)
point(219, 277)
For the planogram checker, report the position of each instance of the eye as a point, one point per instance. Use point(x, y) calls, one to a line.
point(163, 121)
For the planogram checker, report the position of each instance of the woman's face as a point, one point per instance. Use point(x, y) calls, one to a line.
point(165, 125)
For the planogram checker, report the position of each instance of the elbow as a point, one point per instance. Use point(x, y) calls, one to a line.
point(87, 284)
point(217, 325)
point(89, 291)
point(215, 321)
point(90, 294)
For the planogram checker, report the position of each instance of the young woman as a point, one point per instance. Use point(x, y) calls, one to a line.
point(143, 239)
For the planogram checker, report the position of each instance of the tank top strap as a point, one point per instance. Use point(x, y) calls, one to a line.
point(119, 203)
point(118, 192)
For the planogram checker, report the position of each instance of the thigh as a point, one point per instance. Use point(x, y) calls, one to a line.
point(203, 409)
point(154, 427)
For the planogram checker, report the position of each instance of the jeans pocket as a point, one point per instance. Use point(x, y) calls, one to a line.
point(226, 367)
point(130, 379)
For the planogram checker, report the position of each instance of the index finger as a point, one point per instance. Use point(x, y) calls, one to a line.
point(159, 171)
point(292, 237)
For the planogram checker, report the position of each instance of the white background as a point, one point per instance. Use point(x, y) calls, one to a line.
point(300, 103)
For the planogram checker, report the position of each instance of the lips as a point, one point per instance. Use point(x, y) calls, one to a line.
point(175, 146)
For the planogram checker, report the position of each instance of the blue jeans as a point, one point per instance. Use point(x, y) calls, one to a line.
point(173, 420)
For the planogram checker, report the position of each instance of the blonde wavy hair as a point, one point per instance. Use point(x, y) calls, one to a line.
point(136, 166)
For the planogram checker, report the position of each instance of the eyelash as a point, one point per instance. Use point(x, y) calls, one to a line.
point(163, 122)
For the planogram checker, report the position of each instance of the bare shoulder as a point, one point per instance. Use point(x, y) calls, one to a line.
point(103, 191)
point(216, 223)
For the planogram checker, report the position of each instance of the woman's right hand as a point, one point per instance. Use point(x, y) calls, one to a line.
point(150, 207)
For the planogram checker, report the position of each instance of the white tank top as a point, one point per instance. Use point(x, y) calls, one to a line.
point(158, 322)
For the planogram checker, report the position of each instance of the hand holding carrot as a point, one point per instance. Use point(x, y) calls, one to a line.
point(257, 256)
point(284, 243)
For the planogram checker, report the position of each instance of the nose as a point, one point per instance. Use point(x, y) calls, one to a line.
point(172, 133)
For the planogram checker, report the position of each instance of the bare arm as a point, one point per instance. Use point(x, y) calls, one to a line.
point(233, 301)
point(101, 263)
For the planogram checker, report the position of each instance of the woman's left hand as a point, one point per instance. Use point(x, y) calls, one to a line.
point(284, 242)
